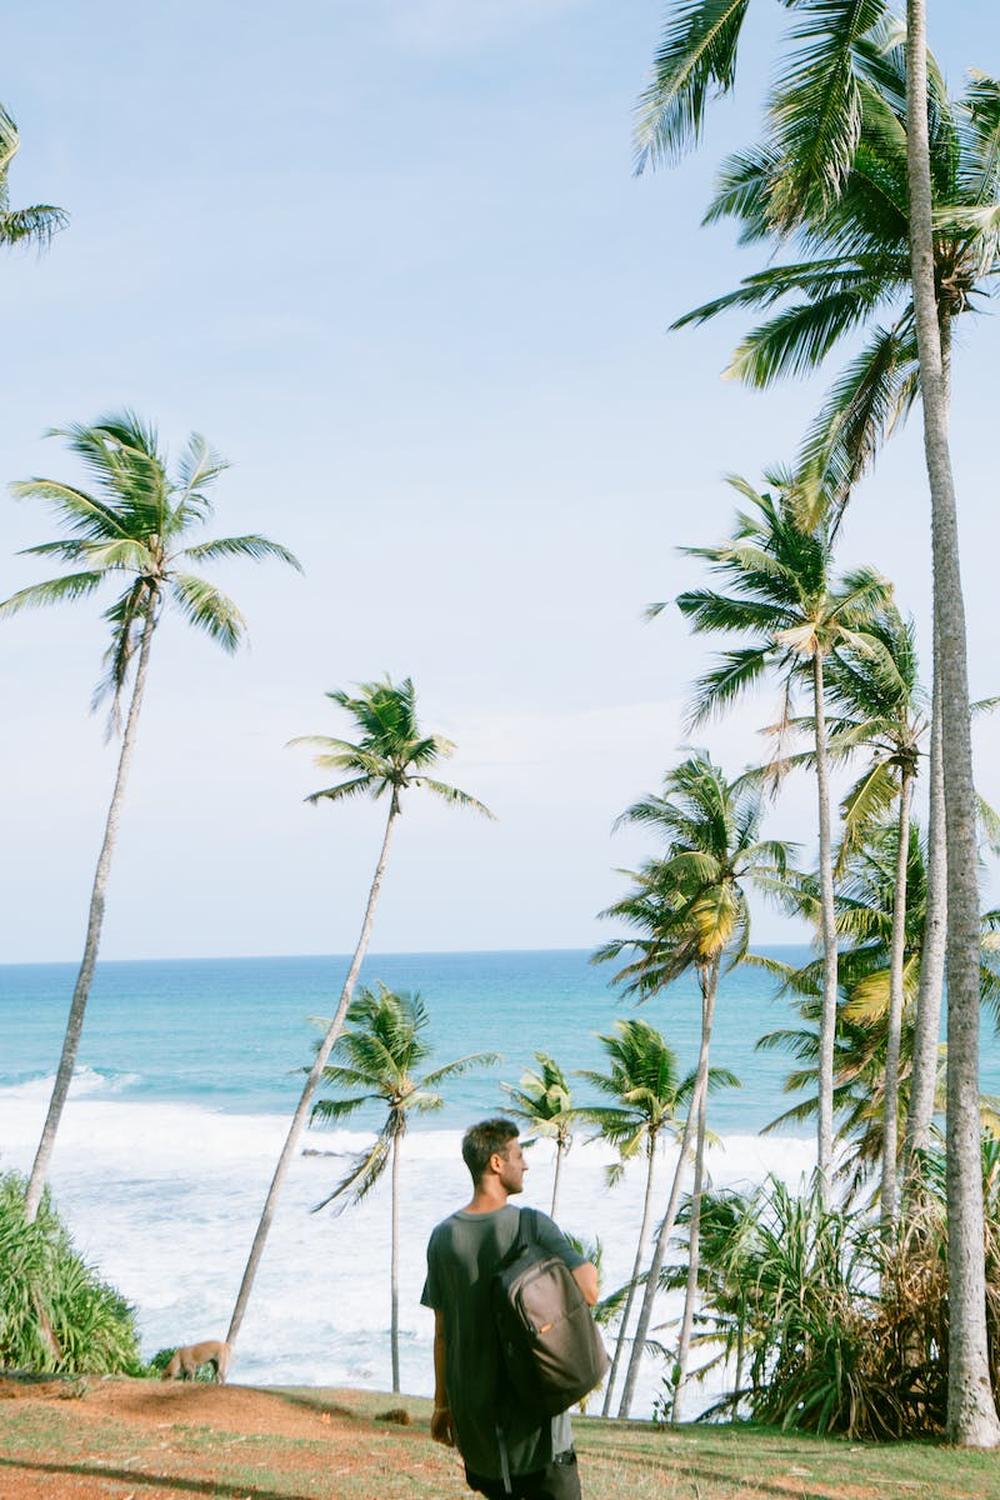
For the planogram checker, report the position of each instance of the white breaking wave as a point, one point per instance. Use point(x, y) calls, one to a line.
point(164, 1198)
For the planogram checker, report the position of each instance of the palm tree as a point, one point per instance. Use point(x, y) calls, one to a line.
point(689, 912)
point(868, 913)
point(972, 1412)
point(784, 598)
point(867, 910)
point(383, 1046)
point(18, 226)
point(391, 755)
point(727, 1225)
point(817, 113)
point(879, 692)
point(544, 1101)
point(132, 528)
point(649, 1099)
point(859, 274)
point(877, 708)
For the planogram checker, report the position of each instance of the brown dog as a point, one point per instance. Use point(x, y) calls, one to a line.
point(187, 1361)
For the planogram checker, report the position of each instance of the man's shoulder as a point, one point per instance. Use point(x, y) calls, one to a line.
point(461, 1217)
point(551, 1237)
point(461, 1223)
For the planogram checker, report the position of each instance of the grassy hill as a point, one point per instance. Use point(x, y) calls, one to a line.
point(143, 1440)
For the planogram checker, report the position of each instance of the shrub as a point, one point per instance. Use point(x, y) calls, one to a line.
point(57, 1316)
point(832, 1328)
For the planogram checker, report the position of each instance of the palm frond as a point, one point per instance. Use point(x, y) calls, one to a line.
point(365, 1172)
point(358, 786)
point(209, 609)
point(254, 547)
point(696, 61)
point(34, 226)
point(798, 339)
point(453, 795)
point(461, 1066)
point(816, 105)
point(53, 591)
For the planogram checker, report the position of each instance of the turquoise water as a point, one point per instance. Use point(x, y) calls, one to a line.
point(189, 1071)
point(229, 1034)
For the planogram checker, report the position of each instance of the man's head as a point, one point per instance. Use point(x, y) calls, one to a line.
point(492, 1149)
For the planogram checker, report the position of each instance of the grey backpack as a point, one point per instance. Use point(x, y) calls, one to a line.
point(549, 1343)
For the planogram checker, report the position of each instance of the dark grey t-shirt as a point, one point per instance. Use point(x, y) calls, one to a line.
point(463, 1253)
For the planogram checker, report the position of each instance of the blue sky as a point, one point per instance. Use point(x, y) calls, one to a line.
point(390, 257)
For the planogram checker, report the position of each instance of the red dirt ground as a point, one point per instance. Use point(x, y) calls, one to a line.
point(145, 1440)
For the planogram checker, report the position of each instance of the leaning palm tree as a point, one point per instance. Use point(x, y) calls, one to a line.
point(877, 709)
point(391, 756)
point(689, 913)
point(19, 226)
point(784, 598)
point(650, 1099)
point(545, 1103)
point(383, 1045)
point(130, 529)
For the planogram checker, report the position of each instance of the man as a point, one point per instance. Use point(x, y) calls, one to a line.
point(470, 1410)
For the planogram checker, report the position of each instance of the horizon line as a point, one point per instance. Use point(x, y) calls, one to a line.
point(220, 958)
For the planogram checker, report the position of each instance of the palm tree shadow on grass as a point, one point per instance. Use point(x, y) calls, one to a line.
point(158, 1482)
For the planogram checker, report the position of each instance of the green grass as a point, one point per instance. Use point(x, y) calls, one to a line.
point(625, 1459)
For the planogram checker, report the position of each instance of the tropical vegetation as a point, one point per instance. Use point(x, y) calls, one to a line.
point(132, 530)
point(867, 1303)
point(391, 757)
point(785, 600)
point(829, 86)
point(56, 1313)
point(649, 1101)
point(34, 225)
point(688, 911)
point(544, 1102)
point(385, 1040)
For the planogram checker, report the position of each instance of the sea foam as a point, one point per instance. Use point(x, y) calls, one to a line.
point(164, 1198)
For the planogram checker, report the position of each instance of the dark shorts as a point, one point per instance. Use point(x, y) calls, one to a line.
point(559, 1481)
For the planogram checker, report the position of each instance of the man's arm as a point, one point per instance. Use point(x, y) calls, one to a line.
point(441, 1428)
point(585, 1277)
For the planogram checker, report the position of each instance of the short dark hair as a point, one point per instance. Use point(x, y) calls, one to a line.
point(484, 1140)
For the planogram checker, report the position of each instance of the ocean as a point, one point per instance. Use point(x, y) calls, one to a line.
point(187, 1075)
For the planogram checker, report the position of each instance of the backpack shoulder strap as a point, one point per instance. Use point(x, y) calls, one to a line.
point(526, 1234)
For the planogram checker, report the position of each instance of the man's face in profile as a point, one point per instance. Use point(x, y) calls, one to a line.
point(510, 1166)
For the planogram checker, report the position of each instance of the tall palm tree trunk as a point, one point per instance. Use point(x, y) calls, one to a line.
point(394, 1267)
point(694, 1245)
point(664, 1232)
point(670, 1217)
point(560, 1148)
point(95, 922)
point(972, 1415)
point(890, 1092)
point(927, 1025)
point(297, 1125)
point(828, 932)
point(640, 1256)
